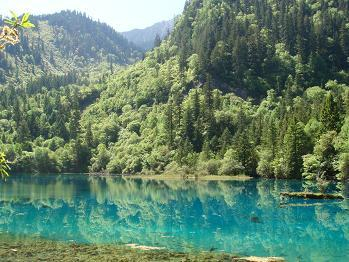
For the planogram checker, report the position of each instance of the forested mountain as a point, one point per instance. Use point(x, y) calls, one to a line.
point(148, 37)
point(63, 43)
point(239, 87)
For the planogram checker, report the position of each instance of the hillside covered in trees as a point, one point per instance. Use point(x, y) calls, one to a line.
point(65, 43)
point(240, 87)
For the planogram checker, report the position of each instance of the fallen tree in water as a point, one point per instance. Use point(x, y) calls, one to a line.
point(284, 205)
point(259, 259)
point(309, 195)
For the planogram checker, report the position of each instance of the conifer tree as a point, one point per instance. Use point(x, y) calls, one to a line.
point(330, 116)
point(294, 145)
point(169, 124)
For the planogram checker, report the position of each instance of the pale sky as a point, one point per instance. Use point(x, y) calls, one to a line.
point(123, 15)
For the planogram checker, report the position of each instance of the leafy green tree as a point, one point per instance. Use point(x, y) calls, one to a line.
point(231, 165)
point(45, 161)
point(343, 165)
point(10, 35)
point(265, 166)
point(322, 163)
point(312, 167)
point(100, 160)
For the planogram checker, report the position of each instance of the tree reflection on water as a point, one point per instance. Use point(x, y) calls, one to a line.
point(243, 217)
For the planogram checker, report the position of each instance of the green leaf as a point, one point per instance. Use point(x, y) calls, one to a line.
point(10, 22)
point(25, 18)
point(14, 15)
point(27, 25)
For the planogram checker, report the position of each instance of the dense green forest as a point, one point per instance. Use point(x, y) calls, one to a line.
point(68, 42)
point(239, 87)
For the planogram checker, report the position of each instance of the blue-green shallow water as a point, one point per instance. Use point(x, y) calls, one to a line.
point(243, 218)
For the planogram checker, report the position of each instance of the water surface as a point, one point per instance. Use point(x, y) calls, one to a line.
point(237, 217)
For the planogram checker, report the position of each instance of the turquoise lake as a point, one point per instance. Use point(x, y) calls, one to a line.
point(237, 217)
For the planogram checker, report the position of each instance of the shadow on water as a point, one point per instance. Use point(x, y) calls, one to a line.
point(237, 217)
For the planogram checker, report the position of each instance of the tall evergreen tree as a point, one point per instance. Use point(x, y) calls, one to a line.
point(330, 116)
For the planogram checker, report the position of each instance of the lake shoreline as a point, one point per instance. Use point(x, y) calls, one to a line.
point(190, 177)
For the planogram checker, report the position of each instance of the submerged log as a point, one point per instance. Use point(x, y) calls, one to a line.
point(309, 195)
point(259, 259)
point(285, 205)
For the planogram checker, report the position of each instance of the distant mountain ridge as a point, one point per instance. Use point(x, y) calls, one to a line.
point(64, 42)
point(144, 38)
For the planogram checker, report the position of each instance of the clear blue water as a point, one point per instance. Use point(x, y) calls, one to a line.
point(242, 218)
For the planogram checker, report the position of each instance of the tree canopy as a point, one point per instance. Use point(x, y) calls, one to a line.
point(240, 87)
